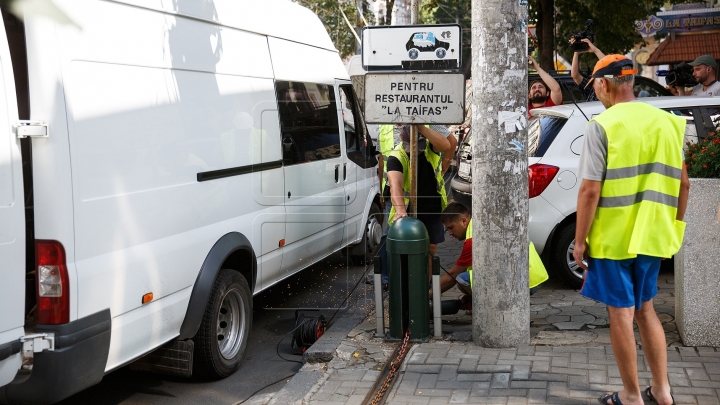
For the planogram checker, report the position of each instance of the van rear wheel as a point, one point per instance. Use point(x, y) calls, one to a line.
point(223, 335)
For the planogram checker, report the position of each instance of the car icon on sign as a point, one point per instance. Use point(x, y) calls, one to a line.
point(425, 42)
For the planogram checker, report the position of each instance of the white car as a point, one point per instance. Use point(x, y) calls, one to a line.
point(555, 139)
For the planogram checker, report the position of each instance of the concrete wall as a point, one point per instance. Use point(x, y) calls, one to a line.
point(697, 268)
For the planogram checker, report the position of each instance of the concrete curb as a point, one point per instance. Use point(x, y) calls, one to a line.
point(323, 350)
point(310, 374)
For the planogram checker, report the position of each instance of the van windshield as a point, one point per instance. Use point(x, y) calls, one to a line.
point(541, 134)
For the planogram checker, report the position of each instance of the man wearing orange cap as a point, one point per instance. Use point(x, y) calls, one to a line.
point(629, 217)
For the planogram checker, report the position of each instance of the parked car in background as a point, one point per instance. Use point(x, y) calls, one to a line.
point(571, 91)
point(555, 139)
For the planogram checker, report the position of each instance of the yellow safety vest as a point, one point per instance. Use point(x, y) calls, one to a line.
point(468, 235)
point(636, 213)
point(386, 137)
point(435, 161)
point(538, 274)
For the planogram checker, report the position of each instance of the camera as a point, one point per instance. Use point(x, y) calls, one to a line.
point(681, 75)
point(578, 45)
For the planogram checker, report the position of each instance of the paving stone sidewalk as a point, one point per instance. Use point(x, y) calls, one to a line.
point(569, 361)
point(462, 373)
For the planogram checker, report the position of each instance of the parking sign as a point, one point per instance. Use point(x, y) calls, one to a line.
point(412, 47)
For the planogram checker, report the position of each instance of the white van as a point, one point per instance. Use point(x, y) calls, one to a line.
point(160, 163)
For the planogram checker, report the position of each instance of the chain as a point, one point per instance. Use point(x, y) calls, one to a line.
point(394, 366)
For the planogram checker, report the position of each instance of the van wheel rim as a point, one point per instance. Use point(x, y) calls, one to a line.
point(374, 233)
point(576, 270)
point(230, 324)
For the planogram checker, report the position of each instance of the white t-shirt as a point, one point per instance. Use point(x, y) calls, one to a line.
point(713, 90)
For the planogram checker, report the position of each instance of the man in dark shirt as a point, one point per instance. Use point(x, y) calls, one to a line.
point(579, 79)
point(431, 199)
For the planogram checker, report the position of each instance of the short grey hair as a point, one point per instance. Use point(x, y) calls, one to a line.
point(621, 81)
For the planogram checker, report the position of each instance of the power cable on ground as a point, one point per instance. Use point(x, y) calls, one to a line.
point(258, 390)
point(339, 307)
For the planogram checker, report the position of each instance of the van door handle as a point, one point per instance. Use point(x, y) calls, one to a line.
point(344, 171)
point(337, 173)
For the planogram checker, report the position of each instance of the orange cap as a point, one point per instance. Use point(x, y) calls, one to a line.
point(612, 66)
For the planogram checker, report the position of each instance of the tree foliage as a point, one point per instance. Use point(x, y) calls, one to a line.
point(614, 23)
point(451, 12)
point(329, 13)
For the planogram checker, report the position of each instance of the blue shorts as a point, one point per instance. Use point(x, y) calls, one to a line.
point(463, 279)
point(622, 283)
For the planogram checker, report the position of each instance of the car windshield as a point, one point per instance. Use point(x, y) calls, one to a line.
point(541, 134)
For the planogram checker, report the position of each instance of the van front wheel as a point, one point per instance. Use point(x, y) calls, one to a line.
point(223, 335)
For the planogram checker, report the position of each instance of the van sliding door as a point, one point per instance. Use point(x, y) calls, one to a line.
point(313, 164)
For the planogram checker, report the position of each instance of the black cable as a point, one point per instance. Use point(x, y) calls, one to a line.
point(443, 269)
point(355, 287)
point(269, 385)
point(277, 347)
point(362, 277)
point(306, 333)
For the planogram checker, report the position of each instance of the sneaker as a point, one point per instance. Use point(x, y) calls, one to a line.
point(370, 279)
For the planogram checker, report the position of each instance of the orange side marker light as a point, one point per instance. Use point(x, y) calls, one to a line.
point(147, 298)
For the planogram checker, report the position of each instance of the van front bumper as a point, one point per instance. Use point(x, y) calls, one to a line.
point(78, 362)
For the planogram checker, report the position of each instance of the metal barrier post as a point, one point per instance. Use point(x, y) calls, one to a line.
point(379, 309)
point(437, 318)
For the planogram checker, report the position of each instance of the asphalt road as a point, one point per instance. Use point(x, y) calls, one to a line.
point(324, 285)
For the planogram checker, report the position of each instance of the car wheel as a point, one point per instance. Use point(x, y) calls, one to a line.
point(563, 262)
point(368, 247)
point(223, 335)
point(413, 53)
point(440, 53)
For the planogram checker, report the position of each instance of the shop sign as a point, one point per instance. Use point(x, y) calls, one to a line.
point(682, 20)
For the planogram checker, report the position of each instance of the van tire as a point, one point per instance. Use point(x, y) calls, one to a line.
point(363, 252)
point(563, 264)
point(223, 335)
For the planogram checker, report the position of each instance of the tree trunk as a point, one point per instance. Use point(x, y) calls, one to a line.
point(545, 33)
point(389, 5)
point(501, 298)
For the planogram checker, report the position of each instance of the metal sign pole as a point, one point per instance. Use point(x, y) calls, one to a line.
point(414, 4)
point(413, 170)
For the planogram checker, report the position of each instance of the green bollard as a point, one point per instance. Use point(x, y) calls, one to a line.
point(407, 254)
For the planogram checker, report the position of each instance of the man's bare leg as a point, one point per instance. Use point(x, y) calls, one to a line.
point(622, 338)
point(652, 336)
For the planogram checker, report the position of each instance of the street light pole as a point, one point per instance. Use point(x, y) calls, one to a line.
point(501, 299)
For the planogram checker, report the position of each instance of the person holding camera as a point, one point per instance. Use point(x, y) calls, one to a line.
point(545, 92)
point(704, 72)
point(579, 79)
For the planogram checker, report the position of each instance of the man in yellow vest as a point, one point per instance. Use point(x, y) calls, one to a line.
point(388, 137)
point(630, 208)
point(431, 198)
point(458, 222)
